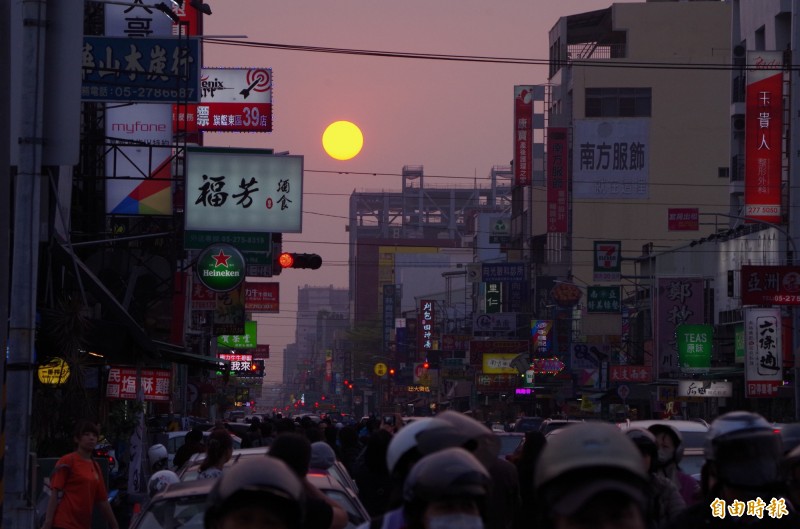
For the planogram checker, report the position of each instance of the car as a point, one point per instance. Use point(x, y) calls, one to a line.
point(498, 427)
point(191, 469)
point(549, 425)
point(174, 440)
point(510, 443)
point(528, 424)
point(184, 504)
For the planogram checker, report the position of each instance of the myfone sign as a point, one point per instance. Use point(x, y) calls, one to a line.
point(221, 267)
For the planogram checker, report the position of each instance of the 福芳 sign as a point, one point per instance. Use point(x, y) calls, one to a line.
point(244, 190)
point(152, 69)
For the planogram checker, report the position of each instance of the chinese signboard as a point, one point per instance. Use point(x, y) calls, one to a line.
point(547, 366)
point(229, 313)
point(55, 372)
point(679, 301)
point(540, 334)
point(480, 348)
point(123, 383)
point(763, 362)
point(494, 298)
point(611, 158)
point(231, 100)
point(501, 322)
point(603, 299)
point(763, 135)
point(495, 363)
point(523, 134)
point(486, 382)
point(704, 388)
point(243, 190)
point(248, 340)
point(694, 347)
point(152, 70)
point(770, 285)
point(502, 272)
point(499, 230)
point(246, 241)
point(427, 319)
point(262, 297)
point(607, 260)
point(557, 180)
point(683, 219)
point(630, 374)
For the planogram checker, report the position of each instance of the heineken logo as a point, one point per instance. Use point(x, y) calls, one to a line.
point(221, 267)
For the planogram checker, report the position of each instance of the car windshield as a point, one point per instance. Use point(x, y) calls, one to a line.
point(509, 443)
point(185, 512)
point(354, 517)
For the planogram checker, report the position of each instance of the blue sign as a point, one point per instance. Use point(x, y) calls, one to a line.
point(152, 70)
point(502, 272)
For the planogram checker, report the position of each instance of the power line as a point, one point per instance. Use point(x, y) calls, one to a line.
point(592, 63)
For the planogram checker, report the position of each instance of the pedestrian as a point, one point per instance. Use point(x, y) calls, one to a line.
point(263, 494)
point(192, 444)
point(665, 501)
point(218, 452)
point(532, 447)
point(590, 477)
point(447, 490)
point(372, 476)
point(294, 449)
point(745, 483)
point(77, 486)
point(670, 453)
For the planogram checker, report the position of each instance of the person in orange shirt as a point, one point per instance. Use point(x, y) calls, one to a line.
point(77, 486)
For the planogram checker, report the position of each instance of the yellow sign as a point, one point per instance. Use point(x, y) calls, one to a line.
point(55, 372)
point(380, 369)
point(499, 363)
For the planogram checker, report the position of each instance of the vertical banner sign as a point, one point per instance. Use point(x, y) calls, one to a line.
point(523, 134)
point(389, 295)
point(494, 297)
point(762, 135)
point(694, 347)
point(557, 180)
point(607, 261)
point(427, 319)
point(763, 365)
point(680, 301)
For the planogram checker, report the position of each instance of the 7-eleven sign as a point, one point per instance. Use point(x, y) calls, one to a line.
point(607, 261)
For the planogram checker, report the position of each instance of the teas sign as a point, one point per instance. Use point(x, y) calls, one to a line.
point(694, 347)
point(221, 267)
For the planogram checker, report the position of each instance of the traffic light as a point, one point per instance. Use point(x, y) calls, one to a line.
point(425, 365)
point(299, 260)
point(392, 371)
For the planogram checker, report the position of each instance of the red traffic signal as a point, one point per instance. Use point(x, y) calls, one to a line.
point(426, 365)
point(299, 260)
point(391, 371)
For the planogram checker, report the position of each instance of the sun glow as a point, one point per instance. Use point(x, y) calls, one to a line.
point(342, 140)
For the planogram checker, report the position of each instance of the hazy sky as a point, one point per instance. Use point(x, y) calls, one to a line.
point(454, 118)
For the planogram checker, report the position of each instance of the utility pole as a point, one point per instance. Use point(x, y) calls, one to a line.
point(18, 505)
point(794, 188)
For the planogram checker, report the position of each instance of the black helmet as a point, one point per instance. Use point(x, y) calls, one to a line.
point(448, 473)
point(267, 482)
point(744, 450)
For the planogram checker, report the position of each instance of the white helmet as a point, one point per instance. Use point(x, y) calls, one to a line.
point(160, 480)
point(405, 440)
point(157, 455)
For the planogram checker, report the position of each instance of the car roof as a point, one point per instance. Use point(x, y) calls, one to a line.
point(680, 425)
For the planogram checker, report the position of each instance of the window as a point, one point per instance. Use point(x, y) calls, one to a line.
point(618, 102)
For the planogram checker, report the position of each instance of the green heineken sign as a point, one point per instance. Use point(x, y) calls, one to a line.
point(221, 267)
point(694, 346)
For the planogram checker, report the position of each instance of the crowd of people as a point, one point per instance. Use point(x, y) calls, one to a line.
point(444, 472)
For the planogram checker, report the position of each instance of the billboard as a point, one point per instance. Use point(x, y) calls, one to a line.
point(679, 300)
point(125, 382)
point(762, 135)
point(262, 297)
point(763, 367)
point(770, 285)
point(611, 158)
point(245, 190)
point(557, 180)
point(231, 100)
point(523, 134)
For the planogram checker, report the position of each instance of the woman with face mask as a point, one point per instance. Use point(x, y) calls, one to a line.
point(446, 490)
point(670, 452)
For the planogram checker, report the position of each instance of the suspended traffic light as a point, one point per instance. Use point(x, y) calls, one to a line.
point(426, 365)
point(299, 260)
point(391, 371)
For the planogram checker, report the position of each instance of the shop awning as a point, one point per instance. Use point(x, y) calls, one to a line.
point(180, 355)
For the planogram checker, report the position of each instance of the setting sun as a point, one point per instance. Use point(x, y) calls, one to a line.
point(342, 140)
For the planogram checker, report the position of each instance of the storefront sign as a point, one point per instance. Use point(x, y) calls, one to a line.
point(770, 285)
point(123, 383)
point(221, 267)
point(763, 363)
point(694, 347)
point(704, 388)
